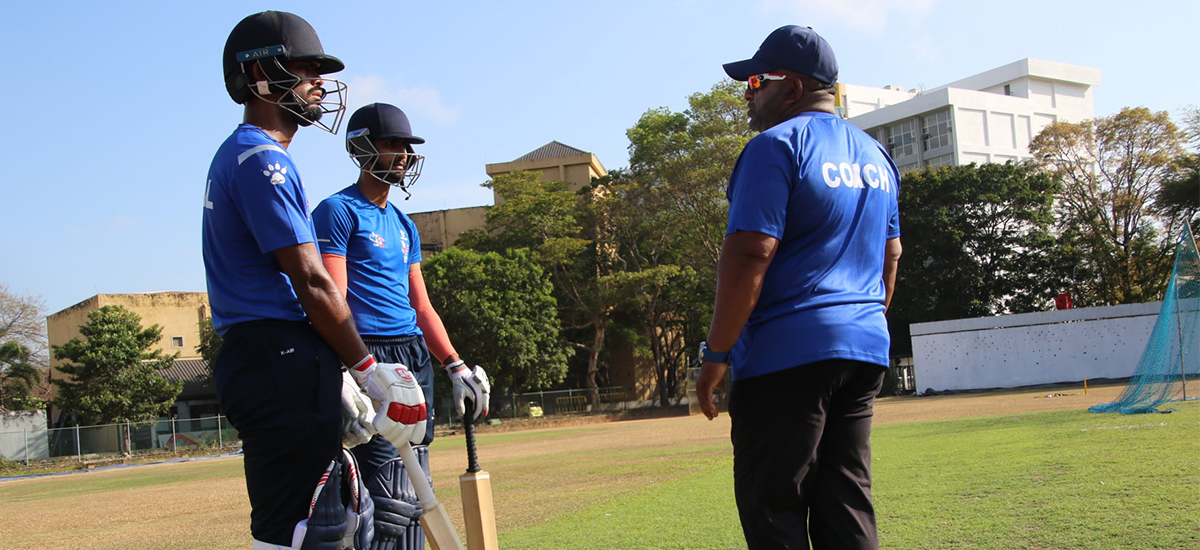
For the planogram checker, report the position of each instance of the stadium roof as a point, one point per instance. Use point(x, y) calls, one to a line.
point(551, 150)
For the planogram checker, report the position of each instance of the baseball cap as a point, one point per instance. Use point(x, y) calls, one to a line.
point(791, 47)
point(382, 121)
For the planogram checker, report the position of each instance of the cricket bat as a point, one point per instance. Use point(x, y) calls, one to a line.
point(435, 521)
point(476, 486)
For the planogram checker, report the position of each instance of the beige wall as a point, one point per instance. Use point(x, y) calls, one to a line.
point(176, 313)
point(578, 170)
point(440, 228)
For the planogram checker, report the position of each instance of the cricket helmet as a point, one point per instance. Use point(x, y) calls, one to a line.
point(270, 39)
point(382, 121)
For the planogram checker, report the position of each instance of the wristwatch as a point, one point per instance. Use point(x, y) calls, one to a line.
point(710, 356)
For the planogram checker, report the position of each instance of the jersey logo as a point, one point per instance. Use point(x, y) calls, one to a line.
point(377, 240)
point(276, 173)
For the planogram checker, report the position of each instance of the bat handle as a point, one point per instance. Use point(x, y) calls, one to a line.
point(469, 430)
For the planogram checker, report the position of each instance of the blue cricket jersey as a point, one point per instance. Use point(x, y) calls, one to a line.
point(828, 192)
point(254, 204)
point(379, 245)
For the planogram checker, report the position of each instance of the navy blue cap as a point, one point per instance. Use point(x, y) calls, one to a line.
point(382, 121)
point(790, 47)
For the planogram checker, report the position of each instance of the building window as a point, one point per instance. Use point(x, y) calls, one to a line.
point(1007, 89)
point(935, 133)
point(177, 342)
point(942, 160)
point(905, 168)
point(900, 139)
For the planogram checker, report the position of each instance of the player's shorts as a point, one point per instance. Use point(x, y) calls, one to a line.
point(280, 385)
point(411, 352)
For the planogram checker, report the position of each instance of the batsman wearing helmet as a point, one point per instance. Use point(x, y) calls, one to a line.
point(286, 328)
point(373, 252)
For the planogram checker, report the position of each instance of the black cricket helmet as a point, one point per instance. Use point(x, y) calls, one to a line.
point(270, 39)
point(383, 121)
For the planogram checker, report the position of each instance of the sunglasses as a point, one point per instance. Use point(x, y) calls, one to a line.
point(756, 81)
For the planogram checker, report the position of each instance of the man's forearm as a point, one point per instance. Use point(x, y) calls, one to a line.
point(330, 316)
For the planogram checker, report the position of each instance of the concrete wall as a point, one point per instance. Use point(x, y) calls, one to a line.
point(177, 313)
point(23, 435)
point(441, 228)
point(1032, 348)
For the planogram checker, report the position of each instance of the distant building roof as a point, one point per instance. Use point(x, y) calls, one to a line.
point(551, 150)
point(197, 383)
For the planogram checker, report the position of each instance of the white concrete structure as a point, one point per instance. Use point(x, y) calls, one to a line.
point(23, 435)
point(988, 117)
point(1028, 349)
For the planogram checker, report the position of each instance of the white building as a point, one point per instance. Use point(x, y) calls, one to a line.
point(988, 117)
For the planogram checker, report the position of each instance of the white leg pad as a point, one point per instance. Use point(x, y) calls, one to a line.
point(260, 545)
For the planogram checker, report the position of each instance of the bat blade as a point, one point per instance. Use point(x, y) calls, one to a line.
point(478, 511)
point(435, 521)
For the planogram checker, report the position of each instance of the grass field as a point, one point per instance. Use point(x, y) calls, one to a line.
point(979, 471)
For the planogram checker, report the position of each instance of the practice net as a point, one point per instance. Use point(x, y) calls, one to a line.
point(1172, 356)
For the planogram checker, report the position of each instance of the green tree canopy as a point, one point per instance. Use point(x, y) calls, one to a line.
point(977, 242)
point(499, 310)
point(114, 370)
point(1110, 168)
point(18, 378)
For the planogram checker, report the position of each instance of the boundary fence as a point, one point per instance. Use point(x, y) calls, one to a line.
point(215, 432)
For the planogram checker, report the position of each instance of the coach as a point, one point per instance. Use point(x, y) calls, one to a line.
point(805, 275)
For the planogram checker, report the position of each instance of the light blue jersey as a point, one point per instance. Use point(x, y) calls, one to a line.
point(254, 204)
point(380, 244)
point(828, 192)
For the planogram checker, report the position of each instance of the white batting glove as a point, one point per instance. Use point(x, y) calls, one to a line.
point(469, 384)
point(357, 414)
point(401, 412)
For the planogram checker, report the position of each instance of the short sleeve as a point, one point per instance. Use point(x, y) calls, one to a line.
point(760, 187)
point(334, 224)
point(271, 201)
point(893, 228)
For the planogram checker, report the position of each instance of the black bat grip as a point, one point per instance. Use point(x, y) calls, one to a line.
point(469, 430)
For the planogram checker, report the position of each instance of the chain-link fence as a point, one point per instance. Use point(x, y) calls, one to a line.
point(215, 432)
point(120, 439)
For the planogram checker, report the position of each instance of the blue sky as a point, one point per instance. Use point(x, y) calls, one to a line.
point(117, 107)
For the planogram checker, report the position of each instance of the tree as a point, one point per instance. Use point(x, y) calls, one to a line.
point(977, 242)
point(547, 219)
point(114, 370)
point(210, 344)
point(23, 320)
point(499, 310)
point(667, 216)
point(1110, 168)
point(18, 378)
point(1178, 196)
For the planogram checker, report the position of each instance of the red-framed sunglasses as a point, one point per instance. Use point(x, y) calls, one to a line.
point(756, 81)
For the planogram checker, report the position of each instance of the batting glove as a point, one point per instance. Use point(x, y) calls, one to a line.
point(401, 413)
point(469, 384)
point(357, 414)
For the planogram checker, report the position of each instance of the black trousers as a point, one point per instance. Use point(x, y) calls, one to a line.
point(280, 385)
point(802, 456)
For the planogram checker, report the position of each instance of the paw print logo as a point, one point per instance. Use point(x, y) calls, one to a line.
point(276, 173)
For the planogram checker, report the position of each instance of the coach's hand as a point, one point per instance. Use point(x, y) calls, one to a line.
point(469, 384)
point(357, 414)
point(712, 376)
point(401, 413)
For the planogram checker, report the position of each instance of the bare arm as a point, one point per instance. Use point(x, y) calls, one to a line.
point(891, 261)
point(322, 300)
point(745, 257)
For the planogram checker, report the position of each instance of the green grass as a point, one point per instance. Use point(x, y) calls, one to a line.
point(1059, 480)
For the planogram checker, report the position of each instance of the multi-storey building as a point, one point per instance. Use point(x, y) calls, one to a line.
point(988, 117)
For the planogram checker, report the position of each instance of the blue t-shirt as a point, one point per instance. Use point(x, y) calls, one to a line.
point(828, 192)
point(254, 204)
point(379, 245)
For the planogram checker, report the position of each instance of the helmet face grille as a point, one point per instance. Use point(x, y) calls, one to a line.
point(382, 166)
point(271, 34)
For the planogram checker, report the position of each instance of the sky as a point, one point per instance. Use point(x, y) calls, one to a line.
point(116, 108)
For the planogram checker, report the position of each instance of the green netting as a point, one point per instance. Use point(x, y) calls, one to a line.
point(1172, 355)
